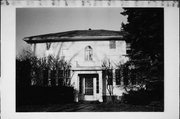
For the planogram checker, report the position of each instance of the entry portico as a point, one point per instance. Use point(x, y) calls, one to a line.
point(88, 84)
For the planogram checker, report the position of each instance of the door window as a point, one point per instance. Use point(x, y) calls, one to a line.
point(89, 86)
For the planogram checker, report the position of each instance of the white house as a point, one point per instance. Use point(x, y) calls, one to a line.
point(85, 50)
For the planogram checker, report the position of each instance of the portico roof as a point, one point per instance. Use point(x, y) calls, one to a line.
point(76, 35)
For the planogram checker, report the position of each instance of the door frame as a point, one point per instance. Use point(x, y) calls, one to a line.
point(81, 82)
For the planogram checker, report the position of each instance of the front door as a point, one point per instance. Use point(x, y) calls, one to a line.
point(87, 86)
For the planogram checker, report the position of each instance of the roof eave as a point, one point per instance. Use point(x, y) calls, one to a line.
point(72, 39)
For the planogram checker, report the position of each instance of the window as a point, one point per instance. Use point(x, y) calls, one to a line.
point(118, 76)
point(108, 76)
point(48, 45)
point(89, 86)
point(125, 76)
point(112, 44)
point(128, 48)
point(88, 53)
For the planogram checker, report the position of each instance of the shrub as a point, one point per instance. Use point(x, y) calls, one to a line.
point(23, 72)
point(139, 97)
point(32, 76)
point(34, 95)
point(156, 89)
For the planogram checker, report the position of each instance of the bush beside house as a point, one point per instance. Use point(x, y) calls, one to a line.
point(34, 88)
point(35, 95)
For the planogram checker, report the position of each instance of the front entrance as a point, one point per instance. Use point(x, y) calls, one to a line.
point(88, 86)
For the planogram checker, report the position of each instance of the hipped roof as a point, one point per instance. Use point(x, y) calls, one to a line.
point(76, 35)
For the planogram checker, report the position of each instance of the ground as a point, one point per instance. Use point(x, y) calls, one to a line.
point(92, 107)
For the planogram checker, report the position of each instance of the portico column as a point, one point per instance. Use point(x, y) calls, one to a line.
point(100, 87)
point(94, 87)
point(77, 89)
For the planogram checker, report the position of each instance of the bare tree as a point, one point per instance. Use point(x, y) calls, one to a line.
point(108, 76)
point(46, 71)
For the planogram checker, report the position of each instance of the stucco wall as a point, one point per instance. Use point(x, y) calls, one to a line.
point(74, 53)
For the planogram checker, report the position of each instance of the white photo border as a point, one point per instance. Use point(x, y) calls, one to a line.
point(8, 54)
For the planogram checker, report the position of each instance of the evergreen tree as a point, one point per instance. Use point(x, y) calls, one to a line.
point(145, 32)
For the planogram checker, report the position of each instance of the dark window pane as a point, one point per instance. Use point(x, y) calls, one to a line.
point(128, 51)
point(89, 86)
point(125, 76)
point(110, 77)
point(104, 74)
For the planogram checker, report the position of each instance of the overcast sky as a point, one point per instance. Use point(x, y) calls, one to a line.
point(36, 21)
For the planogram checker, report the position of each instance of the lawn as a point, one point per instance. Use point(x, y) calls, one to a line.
point(92, 107)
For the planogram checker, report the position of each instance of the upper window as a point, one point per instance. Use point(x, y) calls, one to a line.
point(88, 53)
point(48, 45)
point(112, 44)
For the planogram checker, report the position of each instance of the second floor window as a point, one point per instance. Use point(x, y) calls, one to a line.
point(48, 46)
point(88, 53)
point(112, 44)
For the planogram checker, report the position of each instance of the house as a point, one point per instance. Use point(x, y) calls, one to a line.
point(86, 51)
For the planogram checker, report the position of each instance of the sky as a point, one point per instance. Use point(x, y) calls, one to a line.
point(37, 21)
